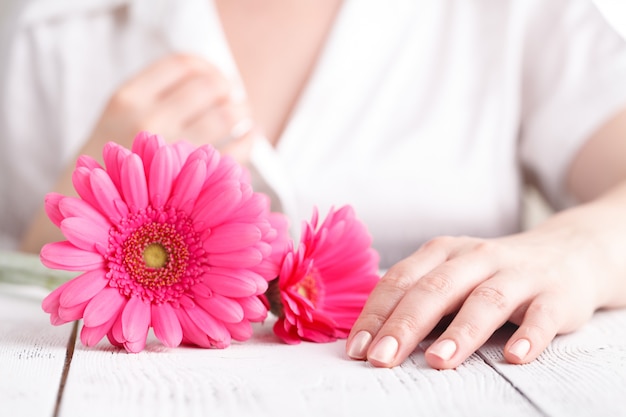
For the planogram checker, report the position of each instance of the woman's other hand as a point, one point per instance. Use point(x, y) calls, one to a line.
point(178, 97)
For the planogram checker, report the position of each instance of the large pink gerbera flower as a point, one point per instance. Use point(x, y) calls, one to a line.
point(168, 236)
point(324, 283)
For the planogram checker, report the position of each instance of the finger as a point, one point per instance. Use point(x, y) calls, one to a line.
point(485, 310)
point(241, 147)
point(540, 325)
point(158, 78)
point(220, 125)
point(390, 290)
point(190, 100)
point(436, 294)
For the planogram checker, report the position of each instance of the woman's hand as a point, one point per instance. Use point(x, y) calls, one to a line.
point(548, 281)
point(177, 97)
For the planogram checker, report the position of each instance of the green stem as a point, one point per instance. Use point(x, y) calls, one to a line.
point(20, 268)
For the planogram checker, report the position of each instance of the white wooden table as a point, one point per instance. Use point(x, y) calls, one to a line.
point(44, 371)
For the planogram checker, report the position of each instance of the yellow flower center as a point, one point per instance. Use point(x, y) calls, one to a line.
point(308, 288)
point(155, 256)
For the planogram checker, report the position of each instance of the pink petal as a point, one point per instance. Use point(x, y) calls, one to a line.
point(231, 237)
point(268, 269)
point(227, 169)
point(191, 332)
point(84, 287)
point(113, 340)
point(136, 319)
point(87, 162)
point(288, 336)
point(256, 206)
point(116, 332)
point(113, 155)
point(51, 303)
point(83, 233)
point(315, 336)
point(245, 258)
point(212, 158)
point(240, 331)
point(64, 255)
point(72, 313)
point(253, 308)
point(162, 173)
point(134, 184)
point(51, 205)
point(90, 336)
point(213, 328)
point(216, 204)
point(146, 146)
point(82, 184)
point(234, 282)
point(201, 290)
point(105, 305)
point(55, 320)
point(141, 141)
point(136, 347)
point(222, 308)
point(188, 185)
point(182, 150)
point(108, 197)
point(75, 207)
point(166, 325)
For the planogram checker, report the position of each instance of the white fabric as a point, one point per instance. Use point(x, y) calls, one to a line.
point(421, 114)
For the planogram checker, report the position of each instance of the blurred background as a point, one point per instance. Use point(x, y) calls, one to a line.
point(615, 11)
point(536, 210)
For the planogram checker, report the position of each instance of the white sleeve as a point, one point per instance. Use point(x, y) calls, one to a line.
point(26, 89)
point(574, 81)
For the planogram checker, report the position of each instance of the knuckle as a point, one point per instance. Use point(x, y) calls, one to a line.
point(466, 330)
point(436, 282)
point(122, 101)
point(190, 63)
point(485, 248)
point(398, 277)
point(404, 324)
point(542, 320)
point(541, 310)
point(438, 243)
point(230, 116)
point(372, 318)
point(491, 296)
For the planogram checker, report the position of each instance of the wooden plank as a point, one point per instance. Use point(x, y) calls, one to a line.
point(580, 374)
point(32, 354)
point(264, 377)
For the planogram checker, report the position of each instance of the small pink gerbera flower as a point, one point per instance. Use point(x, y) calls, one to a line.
point(323, 285)
point(169, 237)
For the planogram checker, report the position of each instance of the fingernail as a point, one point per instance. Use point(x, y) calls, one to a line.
point(359, 344)
point(443, 349)
point(520, 348)
point(385, 350)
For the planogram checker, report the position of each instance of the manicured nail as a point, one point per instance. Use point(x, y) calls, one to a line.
point(520, 348)
point(359, 344)
point(443, 349)
point(385, 350)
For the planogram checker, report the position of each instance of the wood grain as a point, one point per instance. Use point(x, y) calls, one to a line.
point(264, 377)
point(580, 374)
point(32, 355)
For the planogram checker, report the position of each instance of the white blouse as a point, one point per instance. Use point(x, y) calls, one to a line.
point(424, 115)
